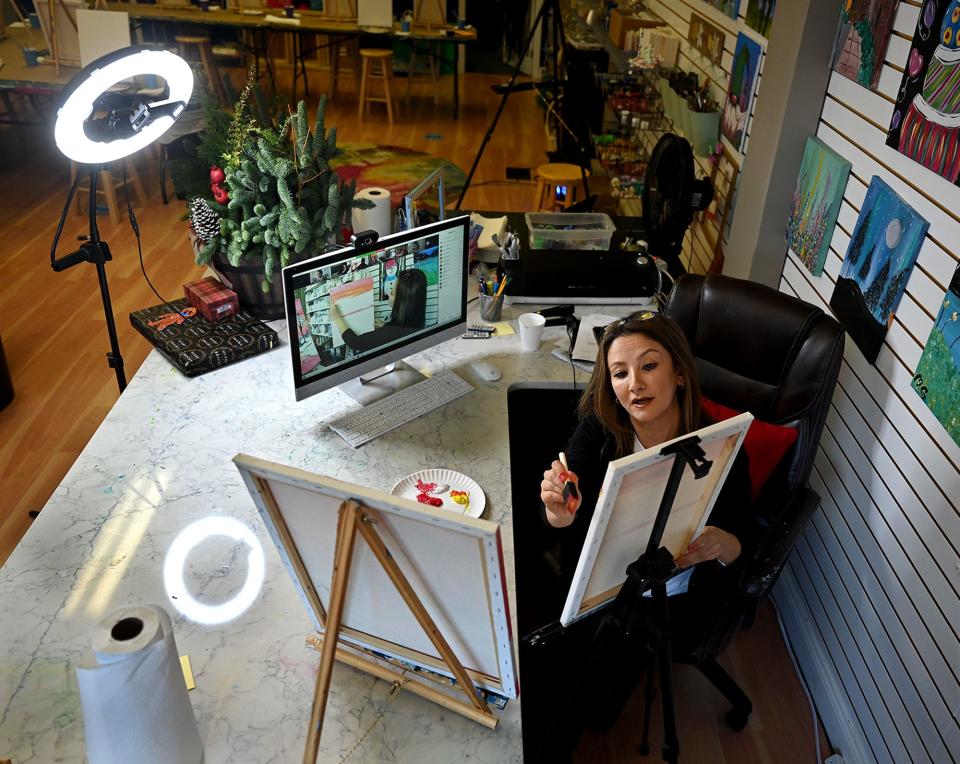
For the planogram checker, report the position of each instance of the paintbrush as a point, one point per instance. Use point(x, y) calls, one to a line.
point(569, 487)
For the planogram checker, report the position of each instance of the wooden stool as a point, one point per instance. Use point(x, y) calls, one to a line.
point(344, 48)
point(377, 65)
point(549, 176)
point(412, 71)
point(107, 187)
point(205, 53)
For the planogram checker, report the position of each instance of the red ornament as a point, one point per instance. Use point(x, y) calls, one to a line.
point(217, 175)
point(220, 194)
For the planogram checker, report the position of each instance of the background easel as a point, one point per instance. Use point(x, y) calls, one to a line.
point(431, 18)
point(340, 10)
point(353, 519)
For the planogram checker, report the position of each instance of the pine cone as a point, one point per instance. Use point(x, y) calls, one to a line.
point(205, 221)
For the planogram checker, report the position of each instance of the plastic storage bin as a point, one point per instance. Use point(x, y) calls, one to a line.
point(569, 230)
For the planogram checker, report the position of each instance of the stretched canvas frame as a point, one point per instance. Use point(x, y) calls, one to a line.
point(627, 508)
point(453, 562)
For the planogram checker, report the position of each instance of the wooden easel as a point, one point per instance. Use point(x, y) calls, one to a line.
point(431, 22)
point(52, 27)
point(340, 10)
point(353, 519)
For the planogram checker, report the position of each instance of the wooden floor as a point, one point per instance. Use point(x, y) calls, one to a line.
point(55, 341)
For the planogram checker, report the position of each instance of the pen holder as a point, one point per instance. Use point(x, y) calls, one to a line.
point(491, 306)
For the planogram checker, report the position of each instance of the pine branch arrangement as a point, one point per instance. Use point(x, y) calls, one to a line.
point(285, 200)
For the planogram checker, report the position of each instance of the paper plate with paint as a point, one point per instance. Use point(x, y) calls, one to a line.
point(443, 489)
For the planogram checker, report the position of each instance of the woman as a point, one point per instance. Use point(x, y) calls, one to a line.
point(643, 392)
point(408, 312)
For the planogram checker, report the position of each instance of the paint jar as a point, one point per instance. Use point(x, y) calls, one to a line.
point(404, 26)
point(288, 10)
point(31, 56)
point(34, 20)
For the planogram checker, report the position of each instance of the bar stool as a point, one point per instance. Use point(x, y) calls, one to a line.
point(377, 65)
point(552, 175)
point(205, 53)
point(412, 70)
point(107, 186)
point(342, 47)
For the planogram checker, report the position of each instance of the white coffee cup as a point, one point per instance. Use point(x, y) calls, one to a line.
point(531, 330)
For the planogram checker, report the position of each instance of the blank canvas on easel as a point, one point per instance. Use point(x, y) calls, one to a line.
point(102, 32)
point(454, 564)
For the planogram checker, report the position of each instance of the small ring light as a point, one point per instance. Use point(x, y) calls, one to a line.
point(183, 544)
point(91, 141)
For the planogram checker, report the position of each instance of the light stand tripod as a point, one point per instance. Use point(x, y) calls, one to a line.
point(95, 251)
point(559, 42)
point(624, 627)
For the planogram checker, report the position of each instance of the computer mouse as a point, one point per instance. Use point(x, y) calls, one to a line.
point(485, 371)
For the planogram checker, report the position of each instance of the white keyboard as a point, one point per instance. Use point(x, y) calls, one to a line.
point(382, 416)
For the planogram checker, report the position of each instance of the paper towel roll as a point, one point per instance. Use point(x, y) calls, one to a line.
point(378, 217)
point(134, 700)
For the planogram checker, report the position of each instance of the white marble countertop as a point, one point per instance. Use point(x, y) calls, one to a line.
point(162, 460)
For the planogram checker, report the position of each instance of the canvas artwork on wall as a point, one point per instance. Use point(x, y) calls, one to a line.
point(760, 15)
point(862, 39)
point(743, 80)
point(883, 248)
point(706, 38)
point(925, 124)
point(730, 7)
point(937, 380)
point(816, 204)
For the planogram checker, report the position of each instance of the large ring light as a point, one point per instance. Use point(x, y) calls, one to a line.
point(173, 569)
point(93, 82)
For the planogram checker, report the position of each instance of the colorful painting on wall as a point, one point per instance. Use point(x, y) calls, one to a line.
point(730, 7)
point(816, 204)
point(883, 248)
point(760, 15)
point(937, 380)
point(862, 39)
point(706, 38)
point(925, 125)
point(743, 80)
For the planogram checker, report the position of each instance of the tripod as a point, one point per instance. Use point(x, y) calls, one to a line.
point(95, 251)
point(624, 624)
point(559, 42)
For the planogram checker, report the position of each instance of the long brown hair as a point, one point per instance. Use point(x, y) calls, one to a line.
point(599, 399)
point(410, 299)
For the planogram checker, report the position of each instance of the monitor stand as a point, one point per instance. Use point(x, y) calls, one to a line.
point(382, 382)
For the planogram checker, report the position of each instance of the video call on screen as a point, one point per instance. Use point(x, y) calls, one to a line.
point(381, 302)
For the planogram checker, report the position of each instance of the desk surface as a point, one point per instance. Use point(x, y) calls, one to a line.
point(310, 21)
point(16, 74)
point(159, 462)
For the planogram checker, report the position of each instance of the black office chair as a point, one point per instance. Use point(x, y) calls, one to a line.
point(756, 350)
point(760, 350)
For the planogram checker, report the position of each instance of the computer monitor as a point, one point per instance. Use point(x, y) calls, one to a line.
point(352, 311)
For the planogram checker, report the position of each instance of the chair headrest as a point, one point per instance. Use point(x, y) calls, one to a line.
point(757, 349)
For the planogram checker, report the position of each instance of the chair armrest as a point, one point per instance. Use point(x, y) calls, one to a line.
point(762, 571)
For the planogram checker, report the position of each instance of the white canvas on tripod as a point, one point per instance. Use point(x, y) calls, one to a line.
point(627, 508)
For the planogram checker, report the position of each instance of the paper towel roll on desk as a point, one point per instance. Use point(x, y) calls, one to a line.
point(378, 218)
point(134, 700)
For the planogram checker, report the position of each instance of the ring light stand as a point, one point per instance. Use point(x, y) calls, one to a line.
point(94, 127)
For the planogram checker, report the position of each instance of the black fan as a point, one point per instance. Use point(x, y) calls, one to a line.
point(671, 194)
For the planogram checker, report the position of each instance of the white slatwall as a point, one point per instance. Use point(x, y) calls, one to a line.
point(872, 594)
point(697, 255)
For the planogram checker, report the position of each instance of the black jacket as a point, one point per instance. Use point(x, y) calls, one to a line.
point(384, 335)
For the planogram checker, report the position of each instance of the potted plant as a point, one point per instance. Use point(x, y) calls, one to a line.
point(273, 196)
